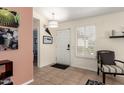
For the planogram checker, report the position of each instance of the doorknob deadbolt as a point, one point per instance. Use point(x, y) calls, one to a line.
point(68, 47)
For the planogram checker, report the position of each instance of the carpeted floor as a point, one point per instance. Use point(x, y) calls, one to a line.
point(70, 76)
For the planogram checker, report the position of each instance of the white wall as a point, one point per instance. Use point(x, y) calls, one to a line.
point(104, 25)
point(47, 51)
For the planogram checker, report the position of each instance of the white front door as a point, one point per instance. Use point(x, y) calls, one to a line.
point(63, 47)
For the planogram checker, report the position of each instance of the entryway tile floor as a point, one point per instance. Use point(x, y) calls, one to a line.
point(71, 76)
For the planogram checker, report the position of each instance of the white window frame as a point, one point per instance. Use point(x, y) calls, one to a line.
point(85, 56)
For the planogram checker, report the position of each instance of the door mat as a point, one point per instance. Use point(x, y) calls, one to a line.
point(60, 66)
point(94, 82)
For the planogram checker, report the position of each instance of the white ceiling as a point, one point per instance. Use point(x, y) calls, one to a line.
point(71, 13)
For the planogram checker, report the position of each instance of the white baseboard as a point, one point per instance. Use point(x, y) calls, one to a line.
point(28, 82)
point(84, 68)
point(46, 65)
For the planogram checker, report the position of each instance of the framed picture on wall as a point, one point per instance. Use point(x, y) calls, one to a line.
point(9, 23)
point(47, 39)
point(9, 18)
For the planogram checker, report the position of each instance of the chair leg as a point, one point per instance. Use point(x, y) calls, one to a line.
point(114, 75)
point(104, 77)
point(98, 71)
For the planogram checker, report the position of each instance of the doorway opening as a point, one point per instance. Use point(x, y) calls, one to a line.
point(36, 42)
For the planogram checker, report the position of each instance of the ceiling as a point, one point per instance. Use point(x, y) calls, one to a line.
point(63, 14)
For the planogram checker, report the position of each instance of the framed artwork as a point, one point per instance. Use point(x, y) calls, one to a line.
point(9, 18)
point(47, 39)
point(9, 23)
point(8, 39)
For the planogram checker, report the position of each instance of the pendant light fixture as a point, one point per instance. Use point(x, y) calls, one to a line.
point(53, 23)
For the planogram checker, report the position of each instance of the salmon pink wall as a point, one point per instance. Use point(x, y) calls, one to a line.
point(23, 57)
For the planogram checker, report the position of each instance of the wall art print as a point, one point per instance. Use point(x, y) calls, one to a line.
point(47, 39)
point(9, 23)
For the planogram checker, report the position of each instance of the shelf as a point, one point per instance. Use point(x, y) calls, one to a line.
point(8, 69)
point(116, 37)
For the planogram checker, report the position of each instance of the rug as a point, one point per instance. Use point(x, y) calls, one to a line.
point(93, 82)
point(60, 66)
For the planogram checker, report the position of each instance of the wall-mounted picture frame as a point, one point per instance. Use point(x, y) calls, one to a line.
point(8, 39)
point(47, 40)
point(9, 24)
point(9, 18)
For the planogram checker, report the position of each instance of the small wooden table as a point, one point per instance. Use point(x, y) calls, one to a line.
point(8, 69)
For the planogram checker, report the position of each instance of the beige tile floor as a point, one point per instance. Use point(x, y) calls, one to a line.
point(71, 76)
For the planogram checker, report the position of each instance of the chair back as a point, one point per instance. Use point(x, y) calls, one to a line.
point(106, 57)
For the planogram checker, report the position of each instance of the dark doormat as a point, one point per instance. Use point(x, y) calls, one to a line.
point(93, 82)
point(60, 66)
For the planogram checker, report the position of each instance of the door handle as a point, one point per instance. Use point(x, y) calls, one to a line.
point(68, 47)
